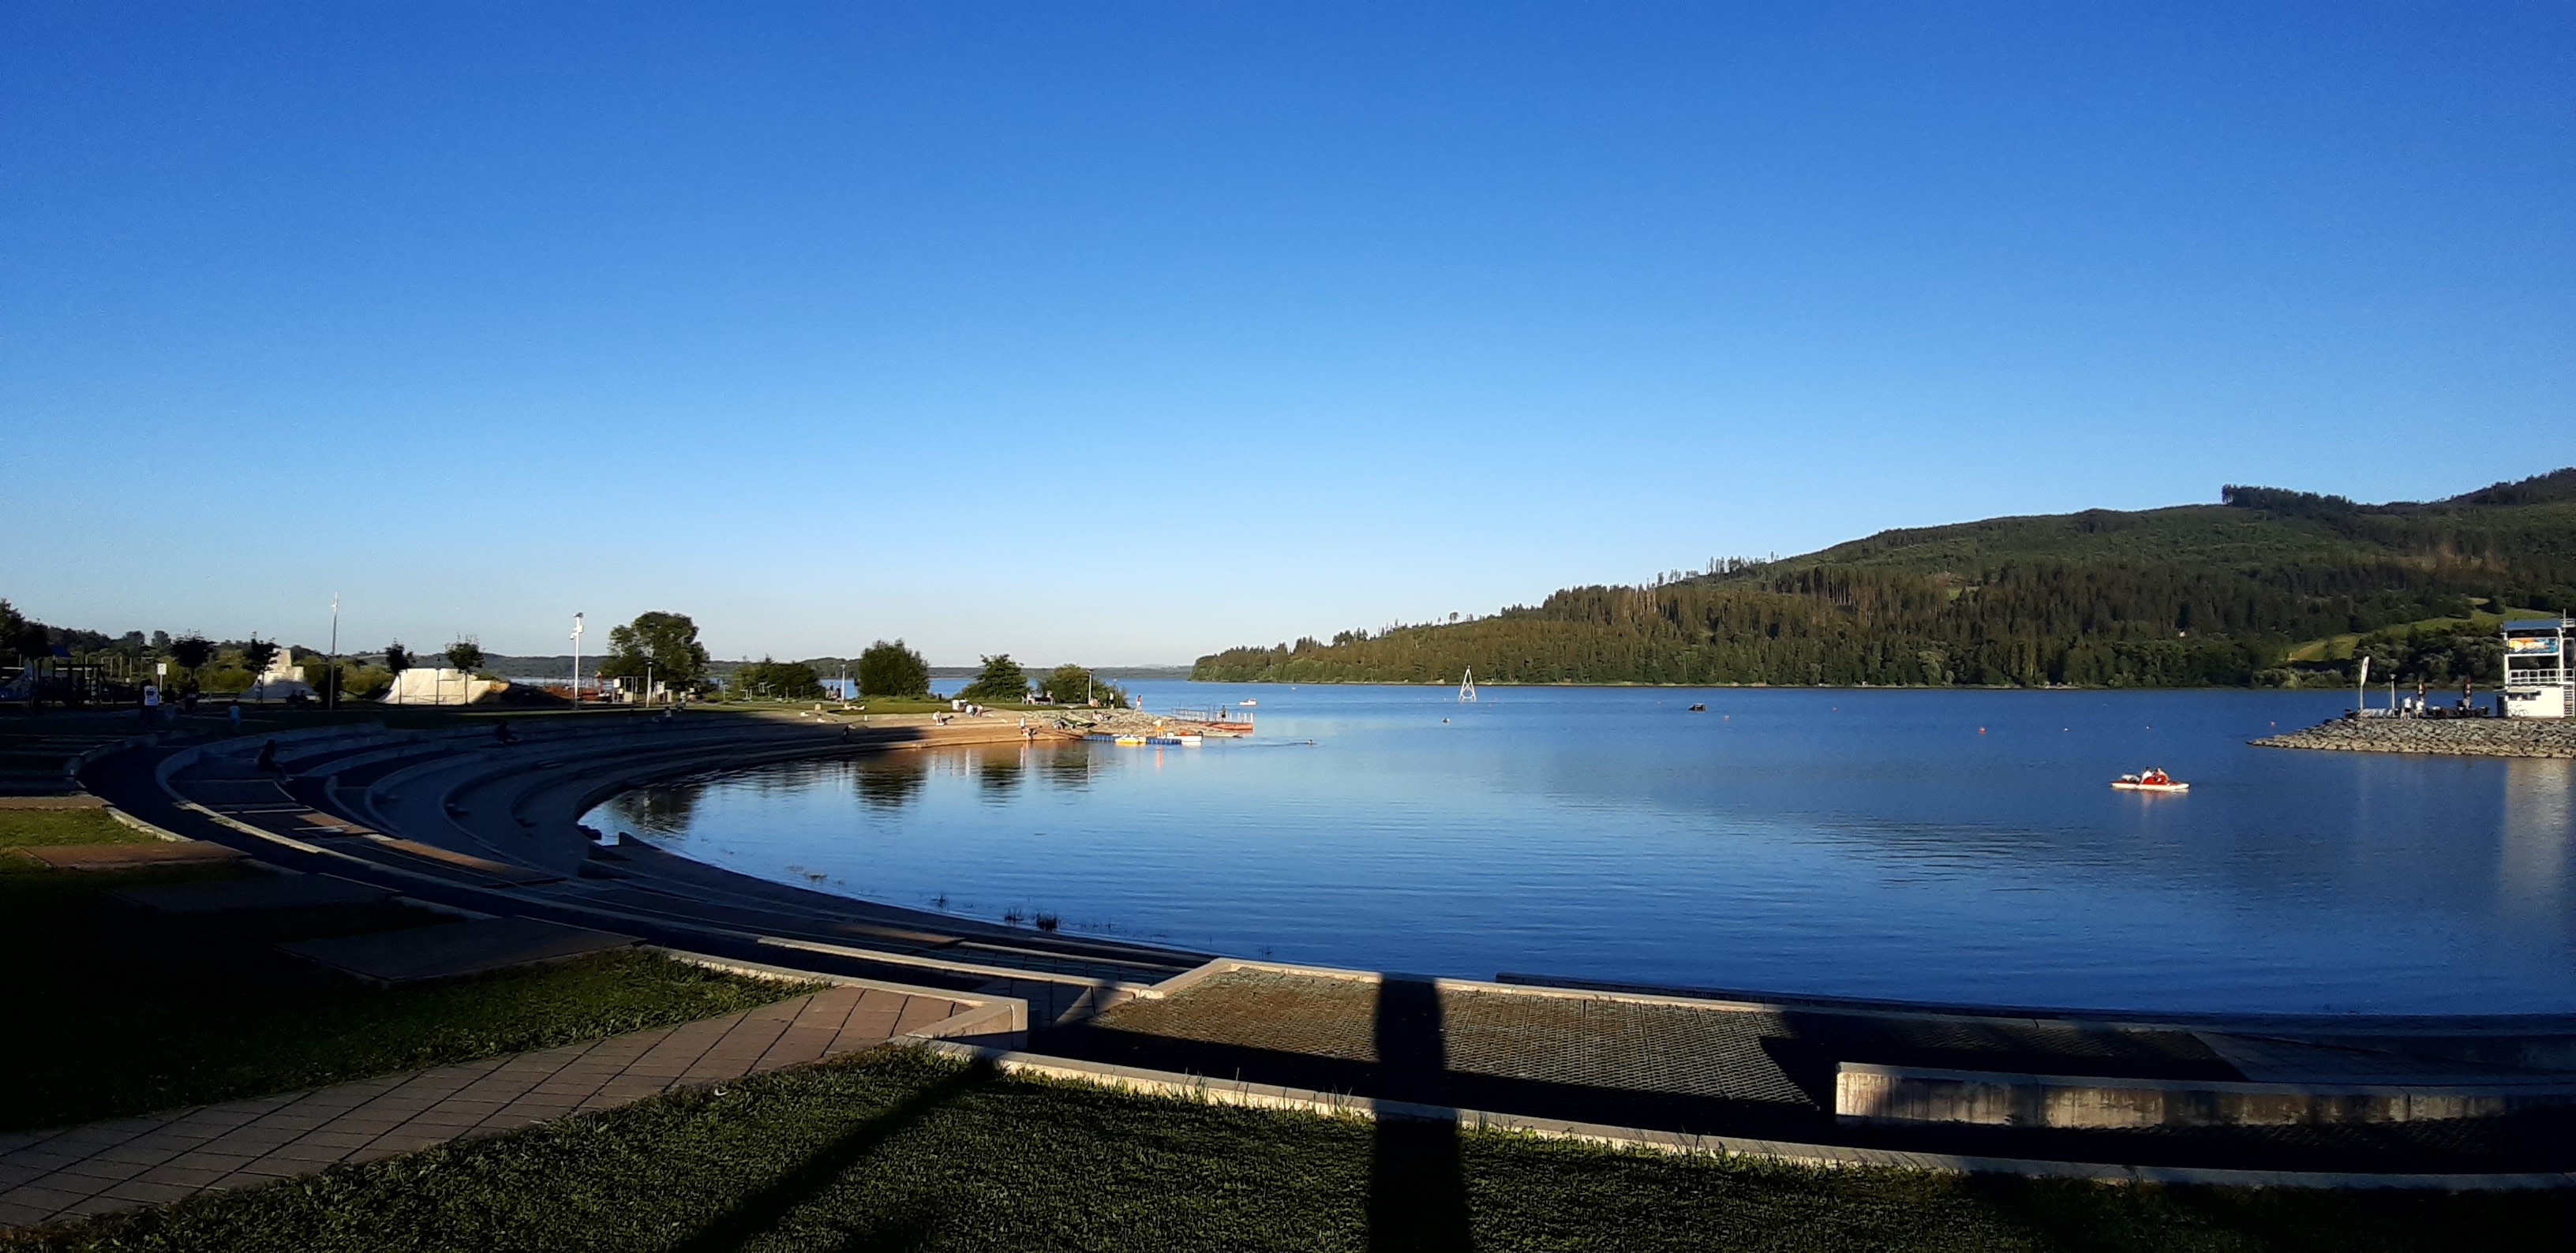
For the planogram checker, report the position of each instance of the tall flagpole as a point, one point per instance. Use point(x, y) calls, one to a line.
point(576, 661)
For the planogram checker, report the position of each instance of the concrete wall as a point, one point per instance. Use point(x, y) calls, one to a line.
point(1909, 1094)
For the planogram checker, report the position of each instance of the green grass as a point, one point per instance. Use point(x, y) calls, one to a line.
point(48, 828)
point(2340, 647)
point(899, 1150)
point(111, 1010)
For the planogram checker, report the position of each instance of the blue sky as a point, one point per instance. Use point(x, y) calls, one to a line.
point(1125, 332)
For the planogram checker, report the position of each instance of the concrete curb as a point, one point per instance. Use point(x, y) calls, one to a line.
point(146, 828)
point(1200, 1088)
point(1011, 1011)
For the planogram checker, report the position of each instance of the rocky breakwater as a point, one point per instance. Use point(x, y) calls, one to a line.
point(2479, 737)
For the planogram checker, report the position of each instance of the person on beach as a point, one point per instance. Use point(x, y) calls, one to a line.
point(151, 704)
point(235, 713)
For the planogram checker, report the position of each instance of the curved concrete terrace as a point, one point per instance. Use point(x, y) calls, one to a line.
point(457, 820)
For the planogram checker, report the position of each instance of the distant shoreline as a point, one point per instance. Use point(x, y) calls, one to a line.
point(1760, 687)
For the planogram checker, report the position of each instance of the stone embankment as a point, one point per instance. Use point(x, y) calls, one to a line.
point(2476, 737)
point(1134, 722)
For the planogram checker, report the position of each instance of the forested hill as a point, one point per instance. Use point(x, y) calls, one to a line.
point(2270, 587)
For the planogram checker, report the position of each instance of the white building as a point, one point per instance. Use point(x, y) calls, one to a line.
point(440, 687)
point(2537, 682)
point(282, 680)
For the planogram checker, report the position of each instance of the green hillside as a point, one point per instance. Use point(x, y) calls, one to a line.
point(2260, 589)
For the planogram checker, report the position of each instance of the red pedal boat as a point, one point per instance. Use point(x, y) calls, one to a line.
point(2150, 781)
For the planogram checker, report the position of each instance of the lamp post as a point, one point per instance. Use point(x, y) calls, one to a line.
point(576, 661)
point(331, 700)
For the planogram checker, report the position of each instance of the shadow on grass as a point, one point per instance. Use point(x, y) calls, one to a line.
point(763, 1210)
point(2084, 1217)
point(909, 1230)
point(1417, 1182)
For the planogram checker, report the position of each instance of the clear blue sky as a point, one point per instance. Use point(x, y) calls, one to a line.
point(1124, 332)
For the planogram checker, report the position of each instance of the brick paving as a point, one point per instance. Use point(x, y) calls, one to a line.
point(75, 1172)
point(1604, 1043)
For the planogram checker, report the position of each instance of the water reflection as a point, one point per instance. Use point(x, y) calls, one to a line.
point(998, 771)
point(2539, 822)
point(1069, 766)
point(664, 810)
point(890, 781)
point(1958, 845)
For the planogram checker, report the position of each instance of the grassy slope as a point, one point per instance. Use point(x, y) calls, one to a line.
point(47, 828)
point(111, 1010)
point(899, 1150)
point(2340, 647)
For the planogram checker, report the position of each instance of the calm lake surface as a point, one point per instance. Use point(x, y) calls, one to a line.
point(1942, 845)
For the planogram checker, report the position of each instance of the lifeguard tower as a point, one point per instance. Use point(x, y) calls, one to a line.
point(2537, 682)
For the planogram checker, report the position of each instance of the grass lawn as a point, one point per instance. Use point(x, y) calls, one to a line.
point(875, 705)
point(2340, 647)
point(111, 1010)
point(45, 828)
point(900, 1150)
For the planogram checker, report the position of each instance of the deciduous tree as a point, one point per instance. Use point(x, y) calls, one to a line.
point(1072, 685)
point(891, 669)
point(778, 680)
point(664, 644)
point(1001, 680)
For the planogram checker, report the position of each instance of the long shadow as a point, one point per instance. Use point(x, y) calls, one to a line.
point(762, 1210)
point(1417, 1182)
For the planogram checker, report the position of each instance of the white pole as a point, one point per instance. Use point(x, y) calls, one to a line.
point(576, 661)
point(333, 674)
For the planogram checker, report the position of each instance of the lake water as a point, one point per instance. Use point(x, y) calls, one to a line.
point(1942, 845)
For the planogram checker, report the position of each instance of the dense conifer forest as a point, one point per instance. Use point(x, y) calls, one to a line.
point(2269, 588)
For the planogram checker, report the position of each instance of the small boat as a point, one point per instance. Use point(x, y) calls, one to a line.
point(1131, 741)
point(2150, 781)
point(1247, 704)
point(1699, 709)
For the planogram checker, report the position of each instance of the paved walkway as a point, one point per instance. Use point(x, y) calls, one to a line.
point(50, 1176)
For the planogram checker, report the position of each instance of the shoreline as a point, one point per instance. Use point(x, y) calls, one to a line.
point(2447, 737)
point(1482, 684)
